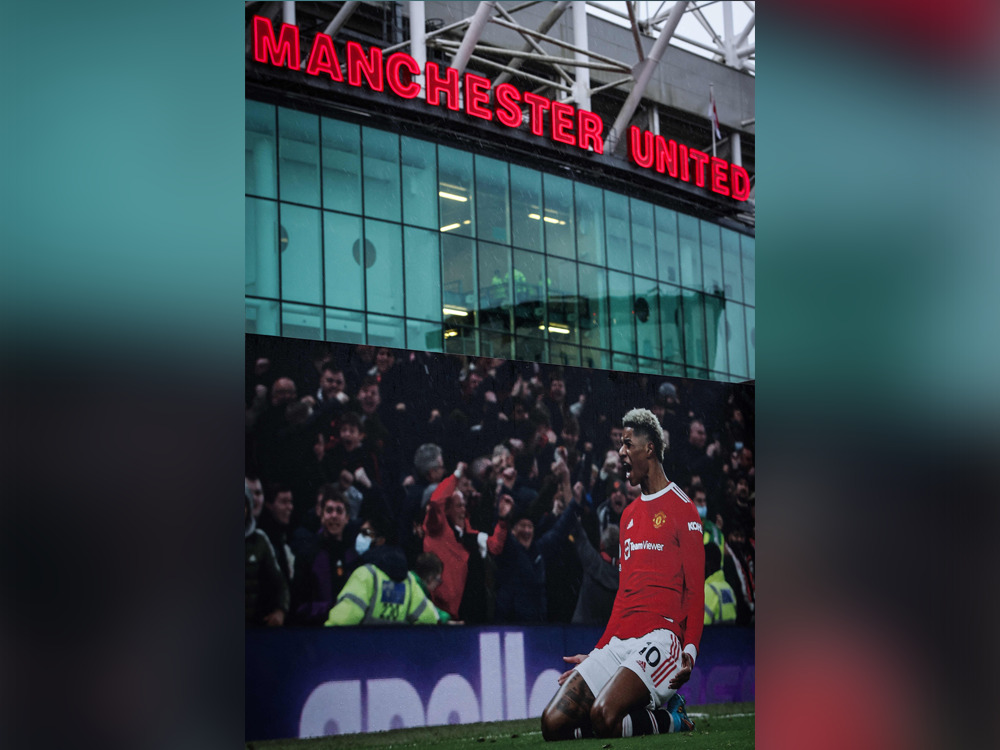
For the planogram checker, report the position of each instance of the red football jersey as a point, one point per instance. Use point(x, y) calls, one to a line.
point(662, 564)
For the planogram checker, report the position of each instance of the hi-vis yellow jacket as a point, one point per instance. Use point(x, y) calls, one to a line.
point(370, 597)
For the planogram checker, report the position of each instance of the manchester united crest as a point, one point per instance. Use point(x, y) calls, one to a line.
point(659, 519)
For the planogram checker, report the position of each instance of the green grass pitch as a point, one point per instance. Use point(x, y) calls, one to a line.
point(725, 726)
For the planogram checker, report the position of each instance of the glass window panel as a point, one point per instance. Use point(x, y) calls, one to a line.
point(650, 366)
point(737, 340)
point(384, 277)
point(697, 372)
point(622, 319)
point(262, 317)
point(530, 350)
point(423, 335)
point(673, 369)
point(563, 324)
point(667, 255)
point(526, 207)
point(301, 321)
point(616, 223)
point(460, 340)
point(748, 244)
point(715, 334)
point(647, 318)
point(420, 200)
point(345, 326)
point(381, 170)
point(711, 255)
point(671, 323)
point(455, 194)
point(732, 278)
point(690, 248)
point(560, 230)
point(624, 362)
point(386, 331)
point(341, 166)
point(301, 254)
point(298, 156)
point(495, 295)
point(423, 273)
point(694, 329)
point(492, 200)
point(751, 315)
point(643, 245)
point(495, 344)
point(594, 321)
point(595, 358)
point(345, 251)
point(261, 165)
point(590, 224)
point(564, 354)
point(260, 263)
point(459, 285)
point(529, 292)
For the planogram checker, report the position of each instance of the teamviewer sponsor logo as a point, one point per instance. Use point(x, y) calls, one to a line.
point(629, 546)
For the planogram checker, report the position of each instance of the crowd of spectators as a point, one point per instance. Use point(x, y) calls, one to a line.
point(496, 484)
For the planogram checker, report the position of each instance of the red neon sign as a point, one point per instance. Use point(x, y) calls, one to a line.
point(566, 123)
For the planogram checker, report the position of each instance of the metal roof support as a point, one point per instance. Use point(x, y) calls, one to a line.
point(418, 37)
point(635, 31)
point(472, 34)
point(560, 43)
point(646, 68)
point(729, 46)
point(483, 49)
point(581, 87)
point(746, 31)
point(531, 44)
point(341, 18)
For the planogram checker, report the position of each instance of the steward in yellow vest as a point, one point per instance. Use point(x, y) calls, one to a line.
point(720, 599)
point(381, 590)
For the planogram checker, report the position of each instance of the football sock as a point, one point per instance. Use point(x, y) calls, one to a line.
point(582, 733)
point(647, 721)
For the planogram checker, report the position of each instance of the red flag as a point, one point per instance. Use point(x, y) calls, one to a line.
point(713, 115)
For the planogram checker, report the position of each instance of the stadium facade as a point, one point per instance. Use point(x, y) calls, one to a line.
point(513, 180)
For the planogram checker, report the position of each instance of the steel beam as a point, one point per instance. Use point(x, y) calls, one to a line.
point(727, 36)
point(341, 18)
point(418, 37)
point(560, 43)
point(746, 30)
point(472, 34)
point(648, 66)
point(581, 87)
point(635, 31)
point(531, 44)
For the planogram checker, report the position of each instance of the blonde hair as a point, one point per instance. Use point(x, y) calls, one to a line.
point(644, 422)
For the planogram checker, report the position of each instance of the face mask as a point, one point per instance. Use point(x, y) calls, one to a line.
point(702, 510)
point(362, 543)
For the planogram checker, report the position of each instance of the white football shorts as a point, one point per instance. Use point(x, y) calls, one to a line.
point(654, 657)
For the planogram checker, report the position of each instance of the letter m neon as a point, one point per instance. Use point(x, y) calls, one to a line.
point(283, 52)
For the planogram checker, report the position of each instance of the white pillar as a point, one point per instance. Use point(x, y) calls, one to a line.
point(418, 38)
point(734, 143)
point(288, 13)
point(581, 86)
point(727, 35)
